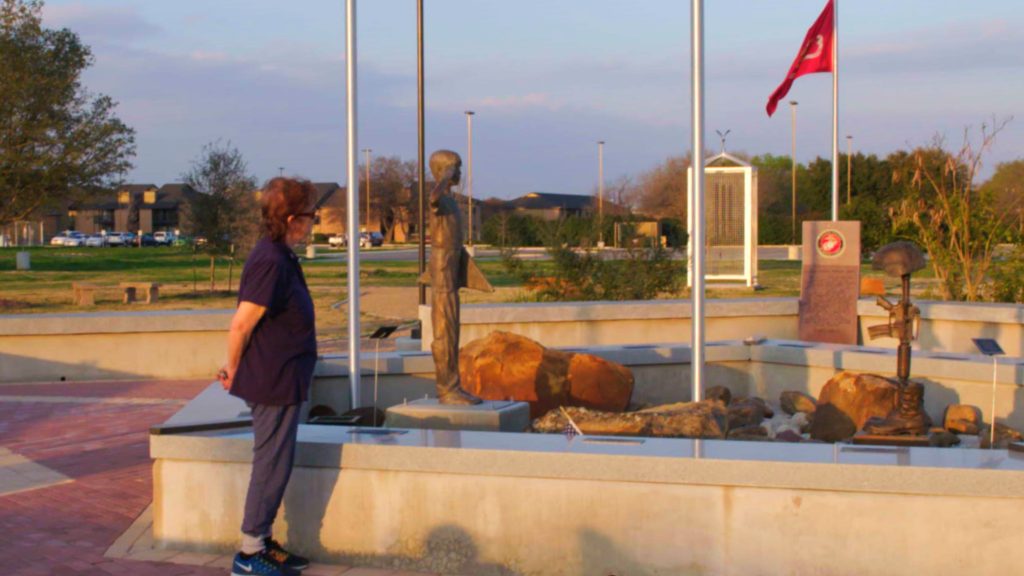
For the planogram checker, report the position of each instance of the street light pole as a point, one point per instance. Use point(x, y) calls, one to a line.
point(849, 166)
point(469, 170)
point(367, 151)
point(792, 107)
point(600, 193)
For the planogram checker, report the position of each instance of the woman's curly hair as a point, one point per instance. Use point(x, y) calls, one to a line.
point(284, 197)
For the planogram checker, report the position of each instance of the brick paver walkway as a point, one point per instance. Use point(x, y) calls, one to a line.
point(96, 435)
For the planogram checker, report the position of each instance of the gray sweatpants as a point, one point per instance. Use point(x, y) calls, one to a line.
point(274, 430)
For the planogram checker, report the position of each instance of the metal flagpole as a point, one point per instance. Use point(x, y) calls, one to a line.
point(835, 110)
point(353, 202)
point(697, 155)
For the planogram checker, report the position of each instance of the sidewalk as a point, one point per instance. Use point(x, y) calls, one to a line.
point(75, 476)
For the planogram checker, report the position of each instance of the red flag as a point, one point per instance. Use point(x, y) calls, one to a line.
point(815, 55)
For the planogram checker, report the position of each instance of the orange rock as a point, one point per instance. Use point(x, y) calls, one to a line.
point(504, 365)
point(848, 400)
point(599, 384)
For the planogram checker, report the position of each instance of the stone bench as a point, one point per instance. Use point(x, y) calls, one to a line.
point(131, 290)
point(84, 293)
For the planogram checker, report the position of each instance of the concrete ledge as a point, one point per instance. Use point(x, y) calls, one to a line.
point(945, 326)
point(112, 345)
point(115, 322)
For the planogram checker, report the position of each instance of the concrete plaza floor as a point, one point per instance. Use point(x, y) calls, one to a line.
point(76, 481)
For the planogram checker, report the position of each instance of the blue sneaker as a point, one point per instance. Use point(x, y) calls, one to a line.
point(262, 564)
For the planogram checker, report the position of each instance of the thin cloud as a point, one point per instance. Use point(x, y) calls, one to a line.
point(100, 22)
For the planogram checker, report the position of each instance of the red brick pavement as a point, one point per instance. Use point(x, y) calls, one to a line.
point(65, 529)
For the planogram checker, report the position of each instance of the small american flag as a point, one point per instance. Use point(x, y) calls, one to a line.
point(571, 429)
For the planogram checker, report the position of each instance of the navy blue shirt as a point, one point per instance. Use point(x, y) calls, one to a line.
point(277, 365)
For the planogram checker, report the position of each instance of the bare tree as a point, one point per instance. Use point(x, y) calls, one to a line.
point(661, 192)
point(956, 223)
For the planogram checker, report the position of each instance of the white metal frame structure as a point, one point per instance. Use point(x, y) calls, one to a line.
point(749, 275)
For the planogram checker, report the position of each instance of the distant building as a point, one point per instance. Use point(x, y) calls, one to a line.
point(135, 207)
point(549, 206)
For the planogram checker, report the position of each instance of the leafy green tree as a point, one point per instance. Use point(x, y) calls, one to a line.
point(224, 211)
point(1007, 190)
point(58, 142)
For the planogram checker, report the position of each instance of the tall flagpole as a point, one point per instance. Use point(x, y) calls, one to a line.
point(697, 163)
point(835, 110)
point(353, 202)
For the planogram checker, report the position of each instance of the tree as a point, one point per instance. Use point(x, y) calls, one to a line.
point(224, 211)
point(392, 199)
point(1007, 190)
point(661, 192)
point(58, 142)
point(956, 223)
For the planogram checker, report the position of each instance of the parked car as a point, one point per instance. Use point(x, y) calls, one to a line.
point(96, 241)
point(148, 240)
point(338, 241)
point(115, 238)
point(74, 240)
point(163, 238)
point(371, 239)
point(129, 238)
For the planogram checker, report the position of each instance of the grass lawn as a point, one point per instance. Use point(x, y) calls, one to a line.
point(185, 280)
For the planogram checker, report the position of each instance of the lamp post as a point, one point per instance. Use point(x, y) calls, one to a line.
point(469, 169)
point(600, 193)
point(280, 170)
point(792, 107)
point(849, 166)
point(367, 152)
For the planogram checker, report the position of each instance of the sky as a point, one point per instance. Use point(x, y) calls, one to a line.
point(546, 78)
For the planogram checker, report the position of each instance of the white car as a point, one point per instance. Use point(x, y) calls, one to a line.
point(96, 241)
point(163, 238)
point(62, 238)
point(115, 238)
point(74, 240)
point(338, 241)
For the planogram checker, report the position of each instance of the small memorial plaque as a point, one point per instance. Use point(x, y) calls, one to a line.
point(988, 346)
point(830, 282)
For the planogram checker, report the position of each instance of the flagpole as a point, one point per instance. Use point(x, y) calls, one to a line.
point(835, 110)
point(697, 193)
point(352, 226)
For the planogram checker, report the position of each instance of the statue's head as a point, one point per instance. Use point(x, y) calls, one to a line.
point(446, 164)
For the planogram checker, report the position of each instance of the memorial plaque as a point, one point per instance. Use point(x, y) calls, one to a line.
point(830, 282)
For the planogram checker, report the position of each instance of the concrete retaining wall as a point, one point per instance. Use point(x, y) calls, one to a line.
point(112, 345)
point(945, 326)
point(531, 505)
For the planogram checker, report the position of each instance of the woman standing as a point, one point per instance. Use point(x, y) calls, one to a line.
point(270, 362)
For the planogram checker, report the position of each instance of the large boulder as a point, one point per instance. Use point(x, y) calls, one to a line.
point(505, 366)
point(848, 400)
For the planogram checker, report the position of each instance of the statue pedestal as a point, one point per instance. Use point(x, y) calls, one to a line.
point(488, 416)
